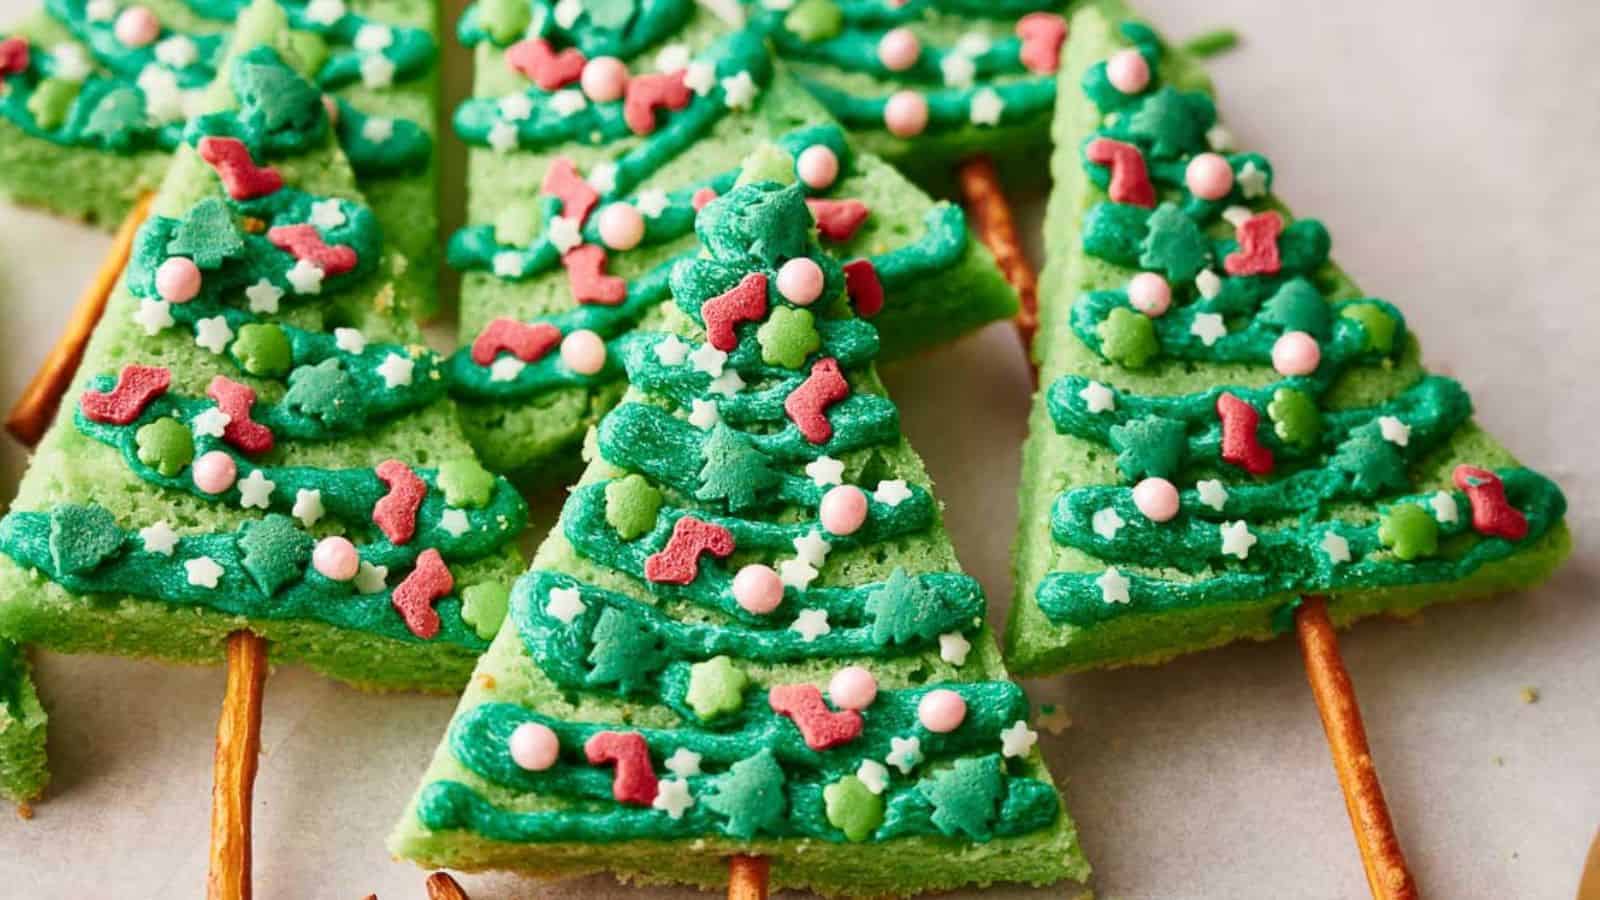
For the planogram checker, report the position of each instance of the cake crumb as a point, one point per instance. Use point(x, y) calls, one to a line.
point(487, 680)
point(1054, 719)
point(1530, 694)
point(1498, 760)
point(24, 811)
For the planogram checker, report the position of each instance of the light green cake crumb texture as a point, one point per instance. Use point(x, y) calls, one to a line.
point(1055, 462)
point(23, 772)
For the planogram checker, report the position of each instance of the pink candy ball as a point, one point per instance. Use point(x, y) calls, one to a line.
point(800, 281)
point(1296, 353)
point(214, 472)
point(178, 279)
point(906, 113)
point(818, 166)
point(1128, 72)
point(898, 49)
point(1156, 498)
point(621, 226)
point(757, 589)
point(844, 509)
point(1209, 176)
point(137, 26)
point(534, 747)
point(852, 687)
point(336, 558)
point(1150, 294)
point(604, 79)
point(941, 711)
point(583, 352)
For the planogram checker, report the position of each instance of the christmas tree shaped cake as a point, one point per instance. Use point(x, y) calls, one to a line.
point(1226, 422)
point(22, 726)
point(261, 440)
point(926, 83)
point(95, 95)
point(598, 130)
point(749, 632)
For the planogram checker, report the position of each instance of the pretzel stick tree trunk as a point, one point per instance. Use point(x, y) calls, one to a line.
point(1381, 855)
point(234, 772)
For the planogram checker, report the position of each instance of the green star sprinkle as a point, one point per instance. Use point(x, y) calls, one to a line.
point(1410, 531)
point(768, 162)
point(483, 606)
point(263, 349)
point(1128, 338)
point(1174, 244)
point(1295, 418)
point(325, 392)
point(465, 483)
point(788, 336)
point(165, 445)
point(716, 688)
point(852, 808)
point(631, 506)
point(814, 20)
point(1379, 325)
point(505, 20)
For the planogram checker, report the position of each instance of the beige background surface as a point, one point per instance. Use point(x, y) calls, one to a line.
point(1450, 146)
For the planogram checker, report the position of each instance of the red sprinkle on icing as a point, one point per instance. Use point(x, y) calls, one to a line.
point(548, 69)
point(430, 580)
point(577, 196)
point(396, 513)
point(821, 727)
point(1258, 246)
point(1492, 514)
point(1042, 35)
point(862, 284)
point(526, 342)
point(13, 55)
point(635, 778)
point(235, 400)
point(648, 93)
point(1130, 180)
point(807, 405)
point(679, 561)
point(136, 387)
point(1240, 446)
point(243, 179)
point(700, 198)
point(303, 241)
point(586, 276)
point(745, 302)
point(837, 220)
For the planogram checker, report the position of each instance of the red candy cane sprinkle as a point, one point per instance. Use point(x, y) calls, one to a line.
point(807, 405)
point(587, 278)
point(577, 197)
point(648, 93)
point(548, 69)
point(136, 387)
point(837, 220)
point(243, 179)
point(1130, 180)
point(1240, 445)
point(396, 514)
point(430, 580)
point(634, 780)
point(679, 561)
point(821, 727)
point(1492, 514)
point(303, 241)
point(236, 400)
point(1258, 246)
point(526, 342)
point(745, 302)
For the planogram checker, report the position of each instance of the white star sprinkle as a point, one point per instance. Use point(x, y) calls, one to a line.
point(177, 51)
point(703, 414)
point(325, 12)
point(874, 775)
point(825, 470)
point(727, 384)
point(1098, 398)
point(159, 538)
point(1106, 523)
point(1055, 720)
point(986, 107)
point(1219, 138)
point(1445, 508)
point(1237, 215)
point(101, 10)
point(811, 624)
point(213, 333)
point(308, 506)
point(958, 70)
point(603, 178)
point(797, 573)
point(1337, 548)
point(672, 351)
point(565, 604)
point(506, 368)
point(371, 579)
point(567, 12)
point(973, 43)
point(162, 99)
point(377, 129)
point(1208, 327)
point(563, 233)
point(507, 264)
point(892, 491)
point(154, 316)
point(683, 762)
point(210, 422)
point(1252, 181)
point(255, 490)
point(1113, 586)
point(812, 548)
point(373, 37)
point(651, 203)
point(1018, 740)
point(672, 57)
point(327, 214)
point(1394, 431)
point(454, 522)
point(1208, 283)
point(568, 101)
point(1212, 493)
point(503, 137)
point(305, 277)
point(515, 107)
point(396, 370)
point(350, 340)
point(904, 753)
point(954, 647)
point(1237, 539)
point(202, 571)
point(708, 359)
point(263, 297)
point(672, 797)
point(700, 77)
point(71, 63)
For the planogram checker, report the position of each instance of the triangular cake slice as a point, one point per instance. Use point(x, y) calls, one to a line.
point(259, 437)
point(749, 632)
point(1226, 423)
point(22, 728)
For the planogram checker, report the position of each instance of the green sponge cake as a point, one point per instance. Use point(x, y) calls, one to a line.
point(22, 760)
point(927, 83)
point(1226, 423)
point(597, 133)
point(749, 632)
point(260, 439)
point(95, 96)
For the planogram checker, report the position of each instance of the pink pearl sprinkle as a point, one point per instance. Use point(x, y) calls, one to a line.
point(214, 472)
point(621, 226)
point(1128, 72)
point(1150, 294)
point(906, 113)
point(584, 352)
point(800, 281)
point(1209, 176)
point(844, 509)
point(852, 687)
point(178, 279)
point(1156, 498)
point(1296, 353)
point(336, 558)
point(941, 711)
point(534, 747)
point(137, 26)
point(757, 589)
point(898, 49)
point(818, 166)
point(604, 79)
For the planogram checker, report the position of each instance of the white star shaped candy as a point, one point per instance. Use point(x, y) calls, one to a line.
point(1212, 493)
point(892, 492)
point(671, 351)
point(1219, 138)
point(954, 647)
point(100, 10)
point(603, 178)
point(396, 370)
point(71, 63)
point(263, 297)
point(825, 470)
point(563, 233)
point(1113, 586)
point(1106, 523)
point(567, 12)
point(798, 574)
point(727, 384)
point(255, 490)
point(1018, 740)
point(202, 571)
point(162, 99)
point(672, 57)
point(377, 129)
point(683, 762)
point(1098, 398)
point(371, 579)
point(973, 43)
point(307, 506)
point(651, 203)
point(812, 548)
point(159, 538)
point(177, 51)
point(703, 414)
point(811, 624)
point(958, 70)
point(673, 797)
point(373, 37)
point(1394, 431)
point(566, 102)
point(1445, 508)
point(904, 753)
point(1252, 181)
point(565, 604)
point(213, 333)
point(986, 107)
point(874, 775)
point(1337, 548)
point(325, 12)
point(503, 137)
point(507, 264)
point(154, 316)
point(515, 107)
point(454, 522)
point(210, 422)
point(1208, 327)
point(1236, 539)
point(1208, 283)
point(506, 368)
point(700, 77)
point(350, 340)
point(708, 359)
point(305, 277)
point(327, 214)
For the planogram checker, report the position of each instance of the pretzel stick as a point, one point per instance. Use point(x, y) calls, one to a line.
point(1381, 855)
point(32, 413)
point(985, 201)
point(442, 887)
point(234, 768)
point(747, 878)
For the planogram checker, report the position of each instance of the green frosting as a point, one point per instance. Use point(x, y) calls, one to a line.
point(621, 28)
